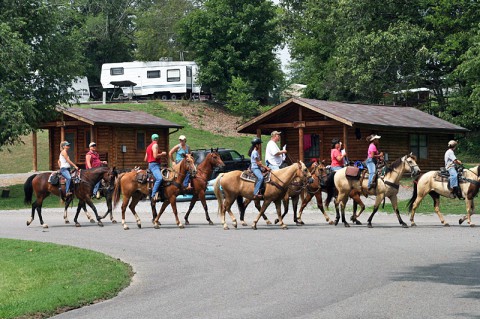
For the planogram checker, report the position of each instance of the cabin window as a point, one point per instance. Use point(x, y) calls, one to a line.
point(418, 145)
point(314, 150)
point(140, 140)
point(116, 71)
point(153, 74)
point(173, 75)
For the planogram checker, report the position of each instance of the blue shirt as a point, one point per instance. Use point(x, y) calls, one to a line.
point(181, 152)
point(253, 159)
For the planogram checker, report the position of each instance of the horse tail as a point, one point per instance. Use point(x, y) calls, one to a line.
point(116, 191)
point(330, 186)
point(218, 192)
point(414, 196)
point(28, 190)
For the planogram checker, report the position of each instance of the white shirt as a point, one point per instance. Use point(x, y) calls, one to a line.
point(63, 162)
point(449, 158)
point(270, 151)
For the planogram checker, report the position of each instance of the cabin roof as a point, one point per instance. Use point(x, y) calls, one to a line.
point(389, 117)
point(96, 116)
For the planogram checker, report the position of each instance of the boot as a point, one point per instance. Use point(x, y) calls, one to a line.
point(458, 192)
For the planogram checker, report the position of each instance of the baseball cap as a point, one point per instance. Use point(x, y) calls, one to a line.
point(182, 137)
point(275, 133)
point(64, 143)
point(92, 144)
point(154, 137)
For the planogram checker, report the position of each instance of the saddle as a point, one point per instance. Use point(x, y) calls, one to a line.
point(56, 178)
point(352, 172)
point(247, 175)
point(443, 176)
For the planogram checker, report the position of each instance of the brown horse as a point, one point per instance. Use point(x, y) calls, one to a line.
point(426, 184)
point(234, 188)
point(200, 181)
point(386, 187)
point(38, 184)
point(130, 188)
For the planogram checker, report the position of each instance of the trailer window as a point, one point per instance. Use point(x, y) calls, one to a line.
point(173, 75)
point(153, 74)
point(189, 72)
point(116, 71)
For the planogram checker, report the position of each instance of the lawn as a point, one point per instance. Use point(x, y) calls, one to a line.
point(15, 200)
point(38, 280)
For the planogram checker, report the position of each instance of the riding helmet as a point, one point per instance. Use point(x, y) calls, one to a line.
point(452, 143)
point(256, 141)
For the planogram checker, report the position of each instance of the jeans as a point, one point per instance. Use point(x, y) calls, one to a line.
point(259, 181)
point(68, 179)
point(96, 187)
point(371, 170)
point(335, 168)
point(155, 169)
point(453, 177)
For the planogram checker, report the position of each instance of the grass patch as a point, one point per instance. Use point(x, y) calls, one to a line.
point(15, 200)
point(448, 206)
point(41, 279)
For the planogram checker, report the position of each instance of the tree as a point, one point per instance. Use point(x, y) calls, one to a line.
point(234, 38)
point(240, 98)
point(156, 29)
point(36, 69)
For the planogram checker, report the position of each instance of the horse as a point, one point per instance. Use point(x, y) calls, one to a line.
point(426, 184)
point(234, 188)
point(130, 188)
point(38, 184)
point(200, 182)
point(386, 187)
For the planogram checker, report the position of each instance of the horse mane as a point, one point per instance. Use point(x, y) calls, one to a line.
point(394, 165)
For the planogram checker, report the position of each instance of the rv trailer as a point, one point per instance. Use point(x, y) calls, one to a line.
point(158, 79)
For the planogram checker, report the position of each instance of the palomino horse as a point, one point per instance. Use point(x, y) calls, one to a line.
point(130, 188)
point(386, 187)
point(200, 181)
point(234, 188)
point(426, 184)
point(38, 184)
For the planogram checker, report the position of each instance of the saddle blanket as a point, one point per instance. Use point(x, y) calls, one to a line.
point(352, 172)
point(248, 176)
point(56, 178)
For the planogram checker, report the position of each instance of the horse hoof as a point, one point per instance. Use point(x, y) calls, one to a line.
point(284, 227)
point(268, 222)
point(139, 225)
point(114, 221)
point(369, 225)
point(472, 225)
point(210, 222)
point(67, 221)
point(276, 221)
point(156, 226)
point(336, 223)
point(45, 226)
point(225, 227)
point(100, 223)
point(244, 223)
point(330, 222)
point(235, 225)
point(29, 222)
point(78, 225)
point(346, 224)
point(301, 222)
point(187, 222)
point(181, 226)
point(254, 227)
point(446, 225)
point(92, 220)
point(125, 227)
point(357, 222)
point(460, 221)
point(298, 224)
point(404, 225)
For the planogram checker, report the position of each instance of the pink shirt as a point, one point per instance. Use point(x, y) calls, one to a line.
point(372, 150)
point(334, 154)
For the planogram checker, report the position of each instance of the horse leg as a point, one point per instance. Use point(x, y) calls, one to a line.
point(261, 211)
point(162, 209)
point(356, 201)
point(65, 211)
point(305, 202)
point(133, 204)
point(337, 211)
point(415, 205)
point(394, 201)
point(295, 200)
point(190, 207)
point(342, 206)
point(470, 211)
point(436, 206)
point(174, 208)
point(108, 199)
point(205, 207)
point(378, 201)
point(79, 208)
point(278, 206)
point(89, 202)
point(32, 217)
point(242, 211)
point(40, 218)
point(286, 203)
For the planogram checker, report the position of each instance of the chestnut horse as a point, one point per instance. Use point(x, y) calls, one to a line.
point(234, 188)
point(130, 188)
point(426, 184)
point(200, 182)
point(386, 187)
point(38, 184)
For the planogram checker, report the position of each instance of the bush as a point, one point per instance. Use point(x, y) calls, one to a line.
point(240, 98)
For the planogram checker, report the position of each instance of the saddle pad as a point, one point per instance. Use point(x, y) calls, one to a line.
point(142, 177)
point(248, 176)
point(168, 174)
point(439, 177)
point(352, 172)
point(54, 179)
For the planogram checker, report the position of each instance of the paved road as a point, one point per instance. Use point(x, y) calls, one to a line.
point(314, 271)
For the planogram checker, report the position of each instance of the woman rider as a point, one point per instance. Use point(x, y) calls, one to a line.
point(372, 157)
point(256, 166)
point(65, 165)
point(181, 149)
point(336, 155)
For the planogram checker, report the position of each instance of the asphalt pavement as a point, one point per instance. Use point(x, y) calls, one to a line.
point(313, 271)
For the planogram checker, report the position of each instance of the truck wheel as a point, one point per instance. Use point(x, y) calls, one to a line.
point(173, 97)
point(164, 97)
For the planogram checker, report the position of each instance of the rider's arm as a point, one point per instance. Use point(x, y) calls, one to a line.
point(67, 158)
point(87, 160)
point(172, 151)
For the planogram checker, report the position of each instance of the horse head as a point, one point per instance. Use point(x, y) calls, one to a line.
point(412, 166)
point(190, 164)
point(214, 158)
point(304, 173)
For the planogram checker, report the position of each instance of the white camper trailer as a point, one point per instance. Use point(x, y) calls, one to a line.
point(159, 79)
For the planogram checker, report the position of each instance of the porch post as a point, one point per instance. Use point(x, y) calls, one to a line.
point(259, 135)
point(300, 135)
point(35, 154)
point(345, 137)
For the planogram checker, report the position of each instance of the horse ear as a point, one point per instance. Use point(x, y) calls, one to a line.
point(323, 162)
point(211, 150)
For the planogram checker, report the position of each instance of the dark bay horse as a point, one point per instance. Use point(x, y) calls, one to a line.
point(133, 191)
point(200, 182)
point(427, 184)
point(38, 184)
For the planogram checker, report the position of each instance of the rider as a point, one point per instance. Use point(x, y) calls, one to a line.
point(152, 156)
point(181, 149)
point(256, 165)
point(336, 155)
point(92, 159)
point(273, 154)
point(450, 162)
point(65, 165)
point(372, 158)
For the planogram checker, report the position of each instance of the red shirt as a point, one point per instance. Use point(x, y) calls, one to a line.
point(334, 154)
point(150, 158)
point(94, 159)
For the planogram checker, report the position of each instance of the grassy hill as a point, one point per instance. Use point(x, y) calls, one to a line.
point(205, 126)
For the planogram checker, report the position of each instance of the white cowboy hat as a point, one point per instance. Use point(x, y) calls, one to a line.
point(375, 137)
